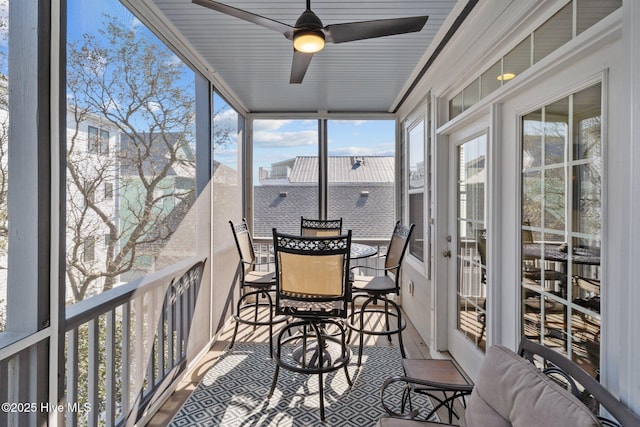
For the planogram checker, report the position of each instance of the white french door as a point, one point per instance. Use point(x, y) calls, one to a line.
point(467, 266)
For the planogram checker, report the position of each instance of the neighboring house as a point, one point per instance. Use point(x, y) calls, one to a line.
point(91, 143)
point(174, 195)
point(361, 192)
point(113, 182)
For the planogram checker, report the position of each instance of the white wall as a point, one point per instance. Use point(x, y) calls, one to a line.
point(607, 52)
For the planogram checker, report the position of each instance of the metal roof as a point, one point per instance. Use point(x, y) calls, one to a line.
point(344, 169)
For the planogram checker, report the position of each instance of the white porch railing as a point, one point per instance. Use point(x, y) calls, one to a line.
point(125, 346)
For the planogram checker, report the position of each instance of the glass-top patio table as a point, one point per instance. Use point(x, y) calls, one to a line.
point(360, 250)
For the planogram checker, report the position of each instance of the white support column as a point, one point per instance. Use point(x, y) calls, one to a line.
point(629, 373)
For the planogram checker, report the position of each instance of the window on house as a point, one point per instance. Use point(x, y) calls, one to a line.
point(572, 20)
point(561, 226)
point(98, 140)
point(89, 249)
point(108, 190)
point(416, 186)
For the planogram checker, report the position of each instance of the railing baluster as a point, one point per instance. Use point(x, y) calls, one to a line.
point(110, 368)
point(92, 374)
point(72, 376)
point(138, 318)
point(162, 335)
point(126, 358)
point(4, 391)
point(157, 322)
point(171, 310)
point(178, 324)
point(185, 317)
point(147, 316)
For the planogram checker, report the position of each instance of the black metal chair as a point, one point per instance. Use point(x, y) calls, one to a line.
point(374, 288)
point(312, 285)
point(320, 227)
point(256, 286)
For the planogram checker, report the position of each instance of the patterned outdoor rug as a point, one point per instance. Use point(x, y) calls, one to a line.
point(234, 392)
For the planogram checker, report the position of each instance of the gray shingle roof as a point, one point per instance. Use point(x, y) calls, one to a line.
point(368, 215)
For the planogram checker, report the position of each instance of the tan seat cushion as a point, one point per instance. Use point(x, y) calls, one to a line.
point(510, 391)
point(262, 278)
point(373, 283)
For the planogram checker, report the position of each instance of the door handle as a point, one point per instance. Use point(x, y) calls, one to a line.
point(446, 254)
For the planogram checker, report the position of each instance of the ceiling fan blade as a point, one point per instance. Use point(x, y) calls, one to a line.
point(351, 31)
point(299, 66)
point(271, 24)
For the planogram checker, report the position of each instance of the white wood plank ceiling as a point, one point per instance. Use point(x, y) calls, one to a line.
point(255, 62)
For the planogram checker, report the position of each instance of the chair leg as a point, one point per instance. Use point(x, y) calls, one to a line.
point(255, 312)
point(344, 353)
point(361, 331)
point(320, 344)
point(321, 390)
point(386, 318)
point(406, 398)
point(266, 295)
point(235, 332)
point(274, 382)
point(400, 343)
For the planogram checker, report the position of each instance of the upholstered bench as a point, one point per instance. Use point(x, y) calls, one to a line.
point(511, 390)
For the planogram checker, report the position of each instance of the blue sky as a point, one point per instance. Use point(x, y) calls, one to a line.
point(275, 140)
point(84, 15)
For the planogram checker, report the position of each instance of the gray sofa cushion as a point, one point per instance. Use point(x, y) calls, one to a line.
point(509, 391)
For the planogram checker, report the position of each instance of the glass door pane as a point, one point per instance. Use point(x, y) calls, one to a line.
point(561, 218)
point(472, 241)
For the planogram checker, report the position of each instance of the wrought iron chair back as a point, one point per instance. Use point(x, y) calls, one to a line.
point(320, 227)
point(312, 275)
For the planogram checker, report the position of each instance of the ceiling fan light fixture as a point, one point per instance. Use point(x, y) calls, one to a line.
point(308, 41)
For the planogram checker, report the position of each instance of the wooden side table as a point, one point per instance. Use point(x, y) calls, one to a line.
point(439, 376)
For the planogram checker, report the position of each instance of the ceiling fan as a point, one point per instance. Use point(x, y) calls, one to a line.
point(309, 35)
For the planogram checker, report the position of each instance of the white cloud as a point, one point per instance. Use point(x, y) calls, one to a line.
point(378, 150)
point(153, 106)
point(266, 125)
point(226, 119)
point(266, 139)
point(351, 122)
point(136, 24)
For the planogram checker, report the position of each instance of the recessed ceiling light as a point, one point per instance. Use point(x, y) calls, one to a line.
point(506, 76)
